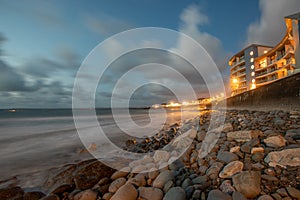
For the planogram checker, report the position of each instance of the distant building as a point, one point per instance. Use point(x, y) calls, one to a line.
point(258, 65)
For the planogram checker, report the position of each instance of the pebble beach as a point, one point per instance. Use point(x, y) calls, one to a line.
point(256, 156)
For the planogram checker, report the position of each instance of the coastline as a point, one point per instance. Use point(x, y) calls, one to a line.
point(216, 175)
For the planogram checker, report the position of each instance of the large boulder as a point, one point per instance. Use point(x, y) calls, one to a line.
point(150, 193)
point(287, 157)
point(247, 183)
point(244, 136)
point(126, 192)
point(275, 141)
point(231, 169)
point(175, 193)
point(163, 178)
point(218, 195)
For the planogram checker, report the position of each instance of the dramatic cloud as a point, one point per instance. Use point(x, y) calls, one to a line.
point(10, 80)
point(271, 26)
point(192, 19)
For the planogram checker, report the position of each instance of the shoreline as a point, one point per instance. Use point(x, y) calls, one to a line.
point(208, 177)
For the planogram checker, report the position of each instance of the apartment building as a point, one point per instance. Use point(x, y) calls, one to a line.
point(258, 65)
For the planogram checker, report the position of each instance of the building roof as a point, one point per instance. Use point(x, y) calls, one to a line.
point(251, 45)
point(294, 16)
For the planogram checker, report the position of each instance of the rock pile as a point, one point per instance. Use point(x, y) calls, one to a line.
point(256, 157)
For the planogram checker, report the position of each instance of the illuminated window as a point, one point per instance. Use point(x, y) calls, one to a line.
point(263, 63)
point(252, 66)
point(251, 53)
point(253, 86)
point(252, 60)
point(252, 73)
point(253, 80)
point(265, 51)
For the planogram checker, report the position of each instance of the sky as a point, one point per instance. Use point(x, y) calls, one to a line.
point(43, 44)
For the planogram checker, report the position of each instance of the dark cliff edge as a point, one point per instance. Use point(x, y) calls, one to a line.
point(283, 94)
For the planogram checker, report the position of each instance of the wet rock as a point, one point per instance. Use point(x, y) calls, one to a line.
point(275, 141)
point(218, 195)
point(265, 197)
point(200, 180)
point(227, 127)
point(213, 171)
point(33, 195)
point(257, 157)
point(248, 183)
point(63, 188)
point(150, 193)
point(197, 194)
point(175, 193)
point(86, 195)
point(103, 181)
point(139, 169)
point(121, 173)
point(168, 186)
point(231, 169)
point(292, 132)
point(116, 184)
point(163, 178)
point(187, 182)
point(227, 156)
point(293, 192)
point(282, 192)
point(246, 147)
point(257, 150)
point(11, 193)
point(244, 135)
point(51, 197)
point(287, 157)
point(269, 177)
point(139, 180)
point(153, 173)
point(226, 187)
point(126, 192)
point(189, 192)
point(80, 173)
point(107, 196)
point(238, 196)
point(235, 149)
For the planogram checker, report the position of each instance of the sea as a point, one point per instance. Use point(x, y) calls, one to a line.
point(33, 140)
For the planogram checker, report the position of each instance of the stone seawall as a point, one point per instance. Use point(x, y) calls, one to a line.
point(283, 94)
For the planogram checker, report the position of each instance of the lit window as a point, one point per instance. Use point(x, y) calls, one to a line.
point(252, 73)
point(265, 51)
point(253, 80)
point(252, 60)
point(251, 53)
point(252, 66)
point(253, 86)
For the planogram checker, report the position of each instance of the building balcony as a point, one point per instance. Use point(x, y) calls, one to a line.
point(272, 75)
point(236, 63)
point(237, 68)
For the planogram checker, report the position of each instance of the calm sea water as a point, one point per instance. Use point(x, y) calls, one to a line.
point(38, 139)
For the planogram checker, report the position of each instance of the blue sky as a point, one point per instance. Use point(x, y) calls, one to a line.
point(44, 42)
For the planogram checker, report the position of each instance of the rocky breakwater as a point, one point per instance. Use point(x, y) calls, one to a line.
point(257, 156)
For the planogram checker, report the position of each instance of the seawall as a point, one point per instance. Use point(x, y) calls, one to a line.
point(283, 94)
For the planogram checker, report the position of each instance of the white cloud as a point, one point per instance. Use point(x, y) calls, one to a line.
point(270, 28)
point(192, 21)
